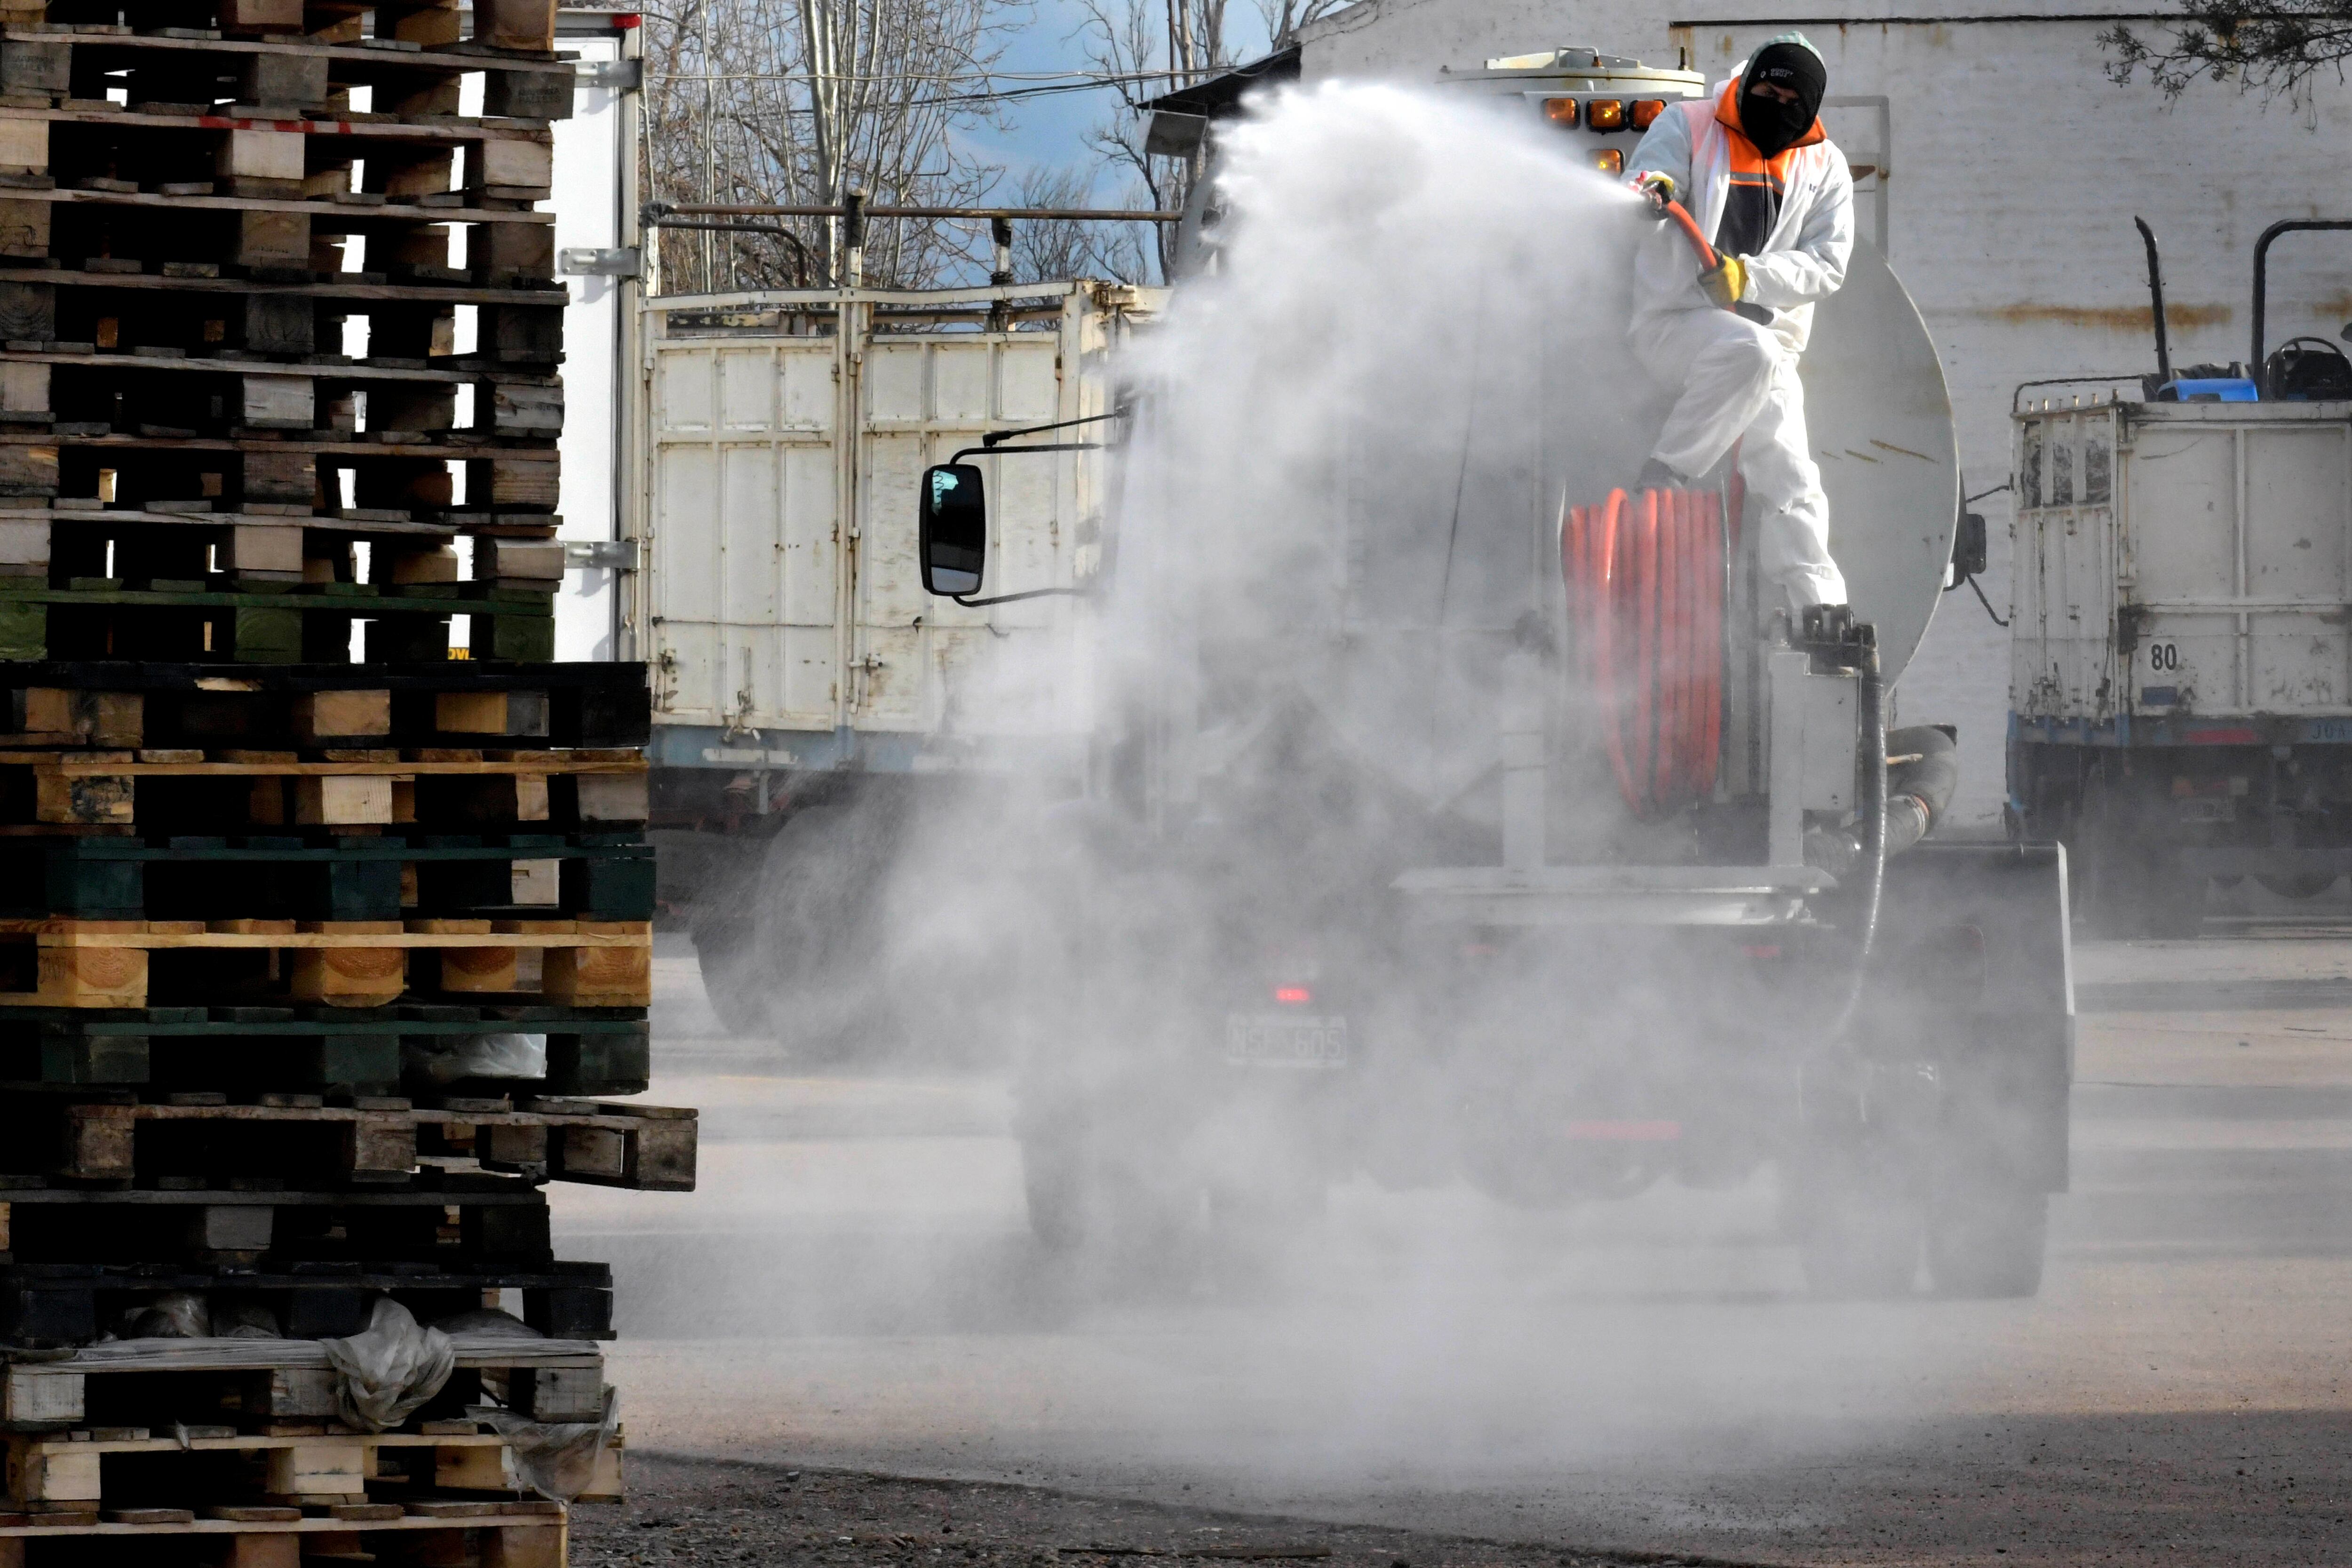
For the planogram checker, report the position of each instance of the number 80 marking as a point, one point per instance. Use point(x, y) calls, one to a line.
point(2163, 655)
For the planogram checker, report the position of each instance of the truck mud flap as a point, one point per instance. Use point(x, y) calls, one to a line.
point(1973, 975)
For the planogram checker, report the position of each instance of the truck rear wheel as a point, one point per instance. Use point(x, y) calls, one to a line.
point(1085, 1207)
point(1988, 1244)
point(2132, 880)
point(727, 954)
point(1857, 1237)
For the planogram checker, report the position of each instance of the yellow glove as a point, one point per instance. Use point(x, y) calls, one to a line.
point(1658, 189)
point(1725, 282)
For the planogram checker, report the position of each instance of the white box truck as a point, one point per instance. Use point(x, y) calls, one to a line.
point(2181, 663)
point(808, 696)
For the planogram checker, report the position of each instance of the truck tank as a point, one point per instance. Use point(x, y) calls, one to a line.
point(1876, 404)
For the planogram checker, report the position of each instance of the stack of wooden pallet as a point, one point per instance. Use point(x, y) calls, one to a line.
point(324, 900)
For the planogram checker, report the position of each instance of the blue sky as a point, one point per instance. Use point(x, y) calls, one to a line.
point(1051, 131)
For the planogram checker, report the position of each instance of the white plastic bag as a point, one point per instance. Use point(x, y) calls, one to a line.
point(173, 1315)
point(390, 1370)
point(557, 1459)
point(476, 1056)
point(246, 1321)
point(485, 1322)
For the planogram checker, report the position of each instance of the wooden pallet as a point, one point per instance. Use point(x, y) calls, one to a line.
point(65, 62)
point(174, 380)
point(68, 1305)
point(598, 877)
point(520, 325)
point(238, 552)
point(250, 1051)
point(444, 703)
point(90, 1139)
point(345, 963)
point(281, 1393)
point(184, 150)
point(309, 625)
point(468, 1221)
point(502, 30)
point(96, 1471)
point(493, 1535)
point(168, 793)
point(269, 236)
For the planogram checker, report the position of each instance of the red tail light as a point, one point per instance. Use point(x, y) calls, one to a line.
point(1293, 995)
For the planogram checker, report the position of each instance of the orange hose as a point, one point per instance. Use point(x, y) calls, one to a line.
point(1689, 226)
point(1644, 581)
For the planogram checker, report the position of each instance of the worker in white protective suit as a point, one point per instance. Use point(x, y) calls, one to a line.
point(1753, 167)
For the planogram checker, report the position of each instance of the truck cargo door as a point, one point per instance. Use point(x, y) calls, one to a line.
point(742, 560)
point(925, 664)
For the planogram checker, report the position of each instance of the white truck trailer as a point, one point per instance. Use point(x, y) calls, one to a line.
point(2181, 671)
point(808, 697)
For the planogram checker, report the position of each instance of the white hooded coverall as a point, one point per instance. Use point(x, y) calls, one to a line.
point(1739, 379)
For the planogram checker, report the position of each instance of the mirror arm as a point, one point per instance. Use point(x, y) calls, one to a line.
point(1031, 594)
point(992, 438)
point(1007, 451)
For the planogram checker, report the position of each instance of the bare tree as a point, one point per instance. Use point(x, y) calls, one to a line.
point(1284, 18)
point(1046, 249)
point(1147, 47)
point(799, 102)
point(2276, 47)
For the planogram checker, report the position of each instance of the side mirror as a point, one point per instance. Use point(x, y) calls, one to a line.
point(1969, 547)
point(954, 528)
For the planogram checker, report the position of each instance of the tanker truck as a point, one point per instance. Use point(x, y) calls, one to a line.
point(1592, 956)
point(2179, 691)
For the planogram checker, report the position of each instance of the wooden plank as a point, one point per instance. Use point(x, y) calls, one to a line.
point(24, 145)
point(348, 976)
point(342, 800)
point(327, 1467)
point(515, 24)
point(630, 771)
point(50, 1398)
point(41, 1472)
point(277, 402)
point(92, 977)
point(473, 1349)
point(339, 715)
point(628, 940)
point(83, 797)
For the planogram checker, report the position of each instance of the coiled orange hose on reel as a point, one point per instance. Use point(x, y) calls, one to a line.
point(1646, 590)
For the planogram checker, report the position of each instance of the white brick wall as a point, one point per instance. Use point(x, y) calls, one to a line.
point(2017, 170)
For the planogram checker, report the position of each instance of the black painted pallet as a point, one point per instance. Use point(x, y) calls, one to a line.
point(96, 1136)
point(603, 876)
point(501, 1221)
point(438, 702)
point(51, 1304)
point(346, 1052)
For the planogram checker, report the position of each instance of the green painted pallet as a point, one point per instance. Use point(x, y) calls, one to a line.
point(254, 624)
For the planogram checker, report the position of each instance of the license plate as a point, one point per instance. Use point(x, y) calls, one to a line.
point(1284, 1039)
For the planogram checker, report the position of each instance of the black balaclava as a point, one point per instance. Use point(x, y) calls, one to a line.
point(1771, 124)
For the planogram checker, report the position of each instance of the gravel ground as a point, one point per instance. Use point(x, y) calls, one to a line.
point(710, 1512)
